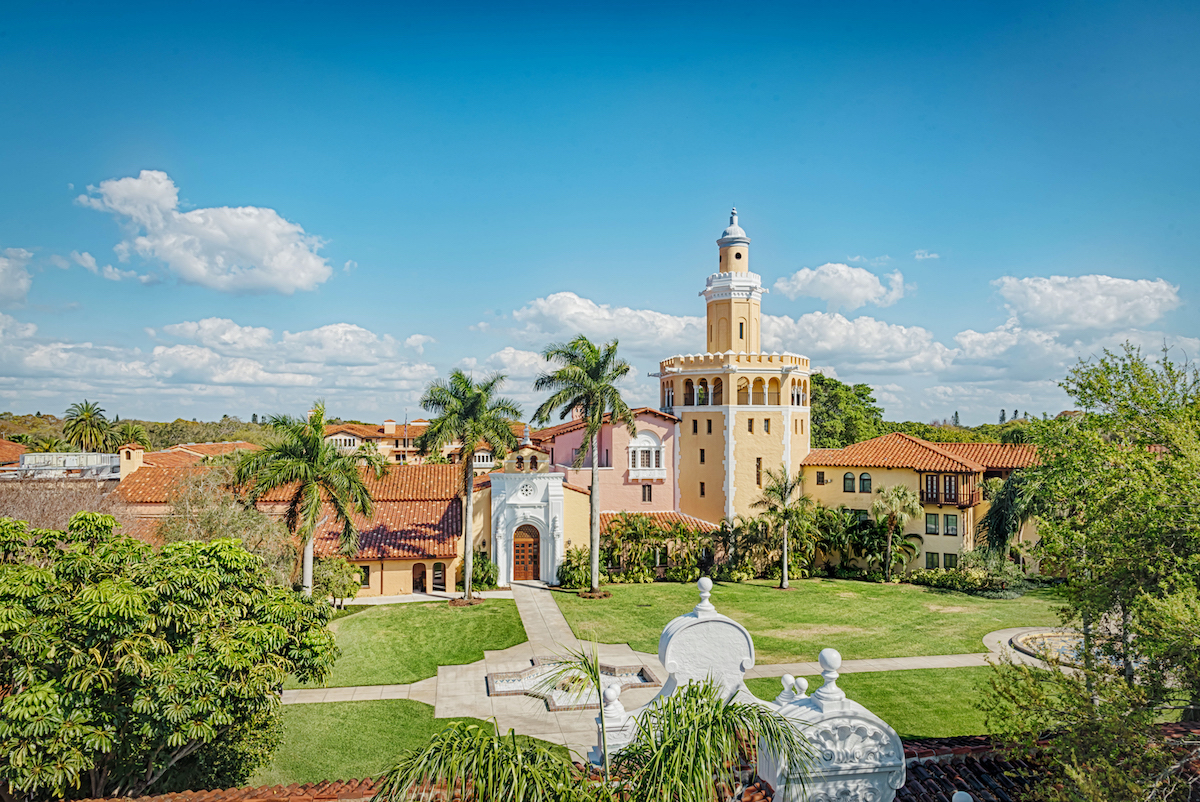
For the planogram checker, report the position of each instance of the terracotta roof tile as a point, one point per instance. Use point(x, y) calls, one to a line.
point(171, 459)
point(10, 451)
point(154, 485)
point(215, 449)
point(995, 456)
point(371, 431)
point(664, 518)
point(895, 450)
point(550, 432)
point(403, 483)
point(399, 530)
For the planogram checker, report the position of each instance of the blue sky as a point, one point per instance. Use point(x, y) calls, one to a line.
point(242, 208)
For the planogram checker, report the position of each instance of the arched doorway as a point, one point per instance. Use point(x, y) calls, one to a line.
point(419, 578)
point(526, 553)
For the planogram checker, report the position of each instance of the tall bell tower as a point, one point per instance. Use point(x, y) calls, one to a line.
point(742, 411)
point(734, 296)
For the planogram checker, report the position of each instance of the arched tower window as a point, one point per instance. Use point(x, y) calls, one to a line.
point(702, 393)
point(689, 393)
point(760, 392)
point(848, 483)
point(773, 392)
point(718, 392)
point(743, 391)
point(864, 483)
point(533, 463)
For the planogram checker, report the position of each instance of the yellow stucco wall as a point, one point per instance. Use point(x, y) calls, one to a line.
point(481, 518)
point(577, 511)
point(831, 494)
point(750, 446)
point(710, 507)
point(394, 577)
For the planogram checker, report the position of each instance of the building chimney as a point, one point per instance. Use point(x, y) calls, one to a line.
point(131, 458)
point(389, 427)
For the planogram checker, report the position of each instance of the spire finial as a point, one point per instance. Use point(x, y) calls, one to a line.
point(733, 217)
point(527, 441)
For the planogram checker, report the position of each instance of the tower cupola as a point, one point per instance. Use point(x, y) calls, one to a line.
point(735, 247)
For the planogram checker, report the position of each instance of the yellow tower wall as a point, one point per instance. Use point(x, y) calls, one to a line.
point(750, 447)
point(710, 507)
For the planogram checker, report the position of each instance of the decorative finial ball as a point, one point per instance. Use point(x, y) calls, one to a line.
point(705, 584)
point(961, 796)
point(830, 659)
point(612, 693)
point(801, 685)
point(786, 680)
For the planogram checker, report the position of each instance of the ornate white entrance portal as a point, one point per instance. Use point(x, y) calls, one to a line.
point(527, 518)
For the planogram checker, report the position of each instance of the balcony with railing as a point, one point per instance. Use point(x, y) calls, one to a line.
point(961, 497)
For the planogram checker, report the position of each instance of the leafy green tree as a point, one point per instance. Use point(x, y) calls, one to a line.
point(469, 413)
point(836, 528)
point(336, 578)
point(784, 503)
point(120, 663)
point(313, 472)
point(204, 508)
point(895, 507)
point(842, 414)
point(50, 443)
point(129, 432)
point(86, 428)
point(586, 381)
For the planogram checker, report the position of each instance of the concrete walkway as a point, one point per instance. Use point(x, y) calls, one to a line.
point(461, 690)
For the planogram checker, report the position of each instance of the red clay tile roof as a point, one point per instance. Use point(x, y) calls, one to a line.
point(154, 485)
point(403, 483)
point(664, 518)
point(193, 453)
point(585, 490)
point(334, 790)
point(399, 530)
point(550, 432)
point(370, 431)
point(995, 456)
point(215, 449)
point(10, 451)
point(895, 450)
point(170, 459)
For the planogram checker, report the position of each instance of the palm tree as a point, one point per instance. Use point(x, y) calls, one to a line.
point(86, 428)
point(783, 506)
point(895, 507)
point(314, 473)
point(586, 380)
point(127, 433)
point(1016, 501)
point(469, 413)
point(49, 443)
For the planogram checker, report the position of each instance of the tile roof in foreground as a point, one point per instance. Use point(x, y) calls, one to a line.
point(402, 483)
point(155, 485)
point(894, 450)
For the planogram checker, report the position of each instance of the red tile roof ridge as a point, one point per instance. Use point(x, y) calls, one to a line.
point(566, 426)
point(936, 447)
point(577, 488)
point(895, 450)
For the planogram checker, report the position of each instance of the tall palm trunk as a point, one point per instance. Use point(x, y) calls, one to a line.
point(887, 552)
point(594, 506)
point(468, 523)
point(307, 579)
point(783, 582)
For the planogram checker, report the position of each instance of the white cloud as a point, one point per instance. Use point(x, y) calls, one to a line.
point(842, 286)
point(88, 262)
point(923, 254)
point(230, 249)
point(1087, 302)
point(215, 359)
point(876, 261)
point(863, 343)
point(349, 266)
point(517, 364)
point(222, 334)
point(565, 314)
point(15, 280)
point(417, 342)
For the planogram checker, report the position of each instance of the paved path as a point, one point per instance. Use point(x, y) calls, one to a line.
point(462, 690)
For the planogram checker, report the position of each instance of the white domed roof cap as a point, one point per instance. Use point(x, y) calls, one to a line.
point(734, 235)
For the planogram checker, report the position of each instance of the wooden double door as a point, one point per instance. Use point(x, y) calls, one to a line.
point(527, 562)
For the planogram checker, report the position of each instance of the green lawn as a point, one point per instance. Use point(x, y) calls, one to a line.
point(395, 644)
point(348, 740)
point(859, 619)
point(921, 703)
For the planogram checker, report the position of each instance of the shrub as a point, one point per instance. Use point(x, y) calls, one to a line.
point(576, 568)
point(682, 573)
point(980, 573)
point(637, 574)
point(334, 577)
point(485, 574)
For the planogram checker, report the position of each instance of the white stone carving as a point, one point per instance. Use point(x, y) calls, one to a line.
point(858, 757)
point(535, 499)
